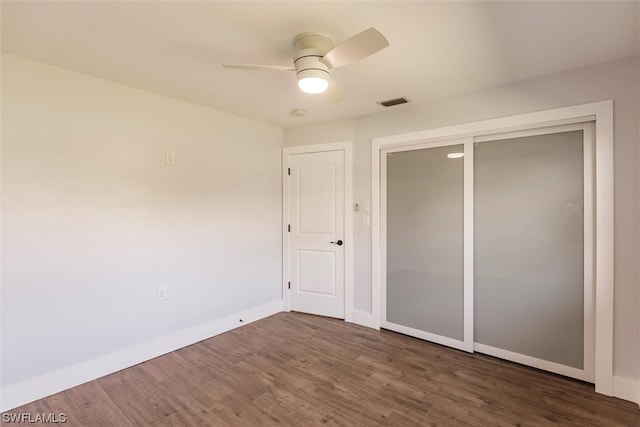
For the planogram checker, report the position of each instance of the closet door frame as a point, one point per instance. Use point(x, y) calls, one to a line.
point(599, 112)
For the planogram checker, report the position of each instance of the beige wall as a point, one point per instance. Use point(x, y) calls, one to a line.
point(93, 219)
point(617, 80)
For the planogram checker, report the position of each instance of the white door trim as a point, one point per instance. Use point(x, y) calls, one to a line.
point(345, 146)
point(602, 113)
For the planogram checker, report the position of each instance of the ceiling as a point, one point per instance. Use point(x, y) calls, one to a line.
point(437, 49)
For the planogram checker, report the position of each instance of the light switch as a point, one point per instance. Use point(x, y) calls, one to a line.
point(366, 207)
point(365, 220)
point(170, 158)
point(162, 293)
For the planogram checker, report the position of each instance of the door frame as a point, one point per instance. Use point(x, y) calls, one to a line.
point(602, 113)
point(347, 147)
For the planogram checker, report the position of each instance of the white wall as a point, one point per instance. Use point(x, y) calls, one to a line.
point(94, 221)
point(617, 80)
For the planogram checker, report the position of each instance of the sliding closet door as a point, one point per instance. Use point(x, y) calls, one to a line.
point(533, 249)
point(424, 194)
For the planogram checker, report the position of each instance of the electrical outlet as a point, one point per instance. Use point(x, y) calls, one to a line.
point(162, 293)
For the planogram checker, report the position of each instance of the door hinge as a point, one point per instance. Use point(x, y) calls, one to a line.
point(288, 171)
point(289, 228)
point(289, 285)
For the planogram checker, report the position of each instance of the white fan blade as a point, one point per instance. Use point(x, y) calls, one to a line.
point(355, 48)
point(258, 67)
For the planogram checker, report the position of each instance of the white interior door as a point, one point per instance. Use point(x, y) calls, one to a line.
point(316, 232)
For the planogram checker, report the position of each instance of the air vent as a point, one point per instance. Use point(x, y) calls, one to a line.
point(392, 102)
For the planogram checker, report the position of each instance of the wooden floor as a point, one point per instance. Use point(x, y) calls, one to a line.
point(301, 370)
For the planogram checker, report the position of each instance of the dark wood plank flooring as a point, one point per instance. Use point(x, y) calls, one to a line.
point(295, 369)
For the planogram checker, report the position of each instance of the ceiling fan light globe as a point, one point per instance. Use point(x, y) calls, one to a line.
point(313, 80)
point(313, 84)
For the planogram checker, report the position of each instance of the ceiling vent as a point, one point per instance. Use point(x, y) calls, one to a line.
point(392, 102)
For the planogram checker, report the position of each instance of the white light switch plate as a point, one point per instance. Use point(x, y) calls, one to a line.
point(162, 293)
point(170, 158)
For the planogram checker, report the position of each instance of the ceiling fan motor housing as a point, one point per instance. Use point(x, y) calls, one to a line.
point(309, 49)
point(308, 64)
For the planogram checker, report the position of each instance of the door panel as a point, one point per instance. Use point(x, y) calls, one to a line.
point(425, 250)
point(316, 191)
point(316, 211)
point(529, 246)
point(317, 272)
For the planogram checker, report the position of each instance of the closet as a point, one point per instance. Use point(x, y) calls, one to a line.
point(487, 244)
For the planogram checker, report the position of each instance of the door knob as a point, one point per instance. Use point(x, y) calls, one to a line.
point(339, 243)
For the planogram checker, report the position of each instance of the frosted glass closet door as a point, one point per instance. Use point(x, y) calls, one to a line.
point(529, 248)
point(424, 220)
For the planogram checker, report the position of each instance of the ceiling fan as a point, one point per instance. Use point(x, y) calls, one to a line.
point(315, 55)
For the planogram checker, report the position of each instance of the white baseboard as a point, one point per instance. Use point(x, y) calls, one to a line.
point(626, 389)
point(363, 318)
point(45, 385)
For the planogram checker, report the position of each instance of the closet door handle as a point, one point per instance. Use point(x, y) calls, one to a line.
point(339, 243)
